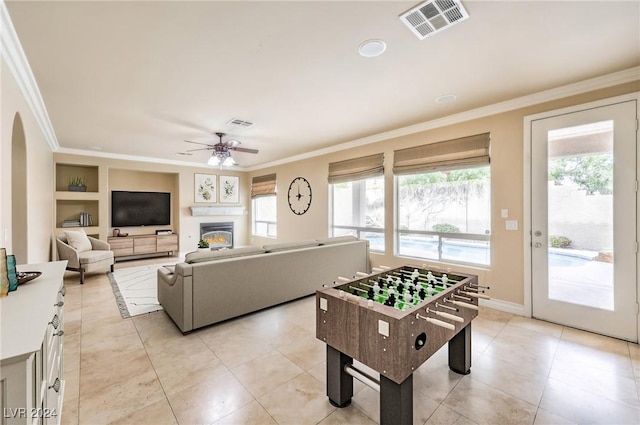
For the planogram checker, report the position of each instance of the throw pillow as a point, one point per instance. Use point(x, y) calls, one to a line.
point(78, 240)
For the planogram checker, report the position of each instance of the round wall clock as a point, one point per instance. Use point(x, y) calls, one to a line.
point(299, 195)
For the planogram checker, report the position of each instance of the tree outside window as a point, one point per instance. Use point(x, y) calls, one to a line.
point(445, 215)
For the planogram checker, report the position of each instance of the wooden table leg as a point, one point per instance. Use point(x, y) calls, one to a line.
point(460, 351)
point(396, 401)
point(339, 383)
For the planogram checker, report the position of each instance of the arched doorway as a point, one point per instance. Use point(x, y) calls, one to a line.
point(19, 191)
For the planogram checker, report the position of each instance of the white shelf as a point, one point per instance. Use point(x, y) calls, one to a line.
point(217, 210)
point(77, 196)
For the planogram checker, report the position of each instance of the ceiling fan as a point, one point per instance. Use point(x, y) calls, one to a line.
point(221, 151)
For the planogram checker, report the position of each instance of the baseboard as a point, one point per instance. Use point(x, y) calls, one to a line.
point(506, 306)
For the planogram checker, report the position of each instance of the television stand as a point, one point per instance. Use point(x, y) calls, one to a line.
point(127, 246)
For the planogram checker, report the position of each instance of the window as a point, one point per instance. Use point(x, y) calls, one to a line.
point(357, 199)
point(264, 216)
point(264, 206)
point(358, 209)
point(444, 201)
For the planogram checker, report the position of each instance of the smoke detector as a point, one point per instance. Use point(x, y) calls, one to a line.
point(433, 16)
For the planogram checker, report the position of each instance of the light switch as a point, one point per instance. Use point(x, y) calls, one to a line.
point(511, 224)
point(504, 213)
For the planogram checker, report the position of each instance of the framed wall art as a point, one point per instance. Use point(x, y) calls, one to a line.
point(205, 188)
point(229, 188)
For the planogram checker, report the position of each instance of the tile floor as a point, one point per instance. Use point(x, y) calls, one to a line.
point(268, 368)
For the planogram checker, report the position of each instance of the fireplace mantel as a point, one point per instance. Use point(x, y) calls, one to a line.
point(217, 210)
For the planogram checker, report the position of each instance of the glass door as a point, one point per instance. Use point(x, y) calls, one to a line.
point(584, 219)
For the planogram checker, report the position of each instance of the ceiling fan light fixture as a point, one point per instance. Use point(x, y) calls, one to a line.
point(221, 152)
point(213, 160)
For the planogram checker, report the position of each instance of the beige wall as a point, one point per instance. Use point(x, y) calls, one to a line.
point(39, 213)
point(117, 174)
point(146, 181)
point(505, 275)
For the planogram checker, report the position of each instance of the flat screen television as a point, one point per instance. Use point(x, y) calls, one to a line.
point(140, 208)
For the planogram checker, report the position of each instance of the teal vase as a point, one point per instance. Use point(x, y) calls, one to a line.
point(11, 272)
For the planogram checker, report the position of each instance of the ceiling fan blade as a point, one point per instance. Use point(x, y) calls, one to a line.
point(201, 149)
point(198, 143)
point(244, 150)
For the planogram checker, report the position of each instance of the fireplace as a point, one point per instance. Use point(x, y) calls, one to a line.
point(219, 235)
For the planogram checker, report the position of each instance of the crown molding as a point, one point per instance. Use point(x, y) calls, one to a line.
point(16, 60)
point(124, 157)
point(609, 80)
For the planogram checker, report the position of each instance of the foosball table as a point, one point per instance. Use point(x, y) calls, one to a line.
point(392, 321)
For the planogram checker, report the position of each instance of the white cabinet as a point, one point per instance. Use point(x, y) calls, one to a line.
point(31, 348)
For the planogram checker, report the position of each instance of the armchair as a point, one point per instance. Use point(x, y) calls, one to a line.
point(97, 257)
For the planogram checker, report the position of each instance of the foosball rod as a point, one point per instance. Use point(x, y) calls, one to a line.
point(446, 315)
point(427, 294)
point(475, 295)
point(358, 289)
point(448, 307)
point(461, 304)
point(436, 278)
point(436, 322)
point(461, 297)
point(371, 286)
point(425, 275)
point(362, 377)
point(389, 274)
point(474, 290)
point(422, 279)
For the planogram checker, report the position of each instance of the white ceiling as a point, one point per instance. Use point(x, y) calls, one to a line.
point(138, 78)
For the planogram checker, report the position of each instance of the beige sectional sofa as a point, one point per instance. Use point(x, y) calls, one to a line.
point(213, 286)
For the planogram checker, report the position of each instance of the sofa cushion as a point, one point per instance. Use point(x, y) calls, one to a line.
point(90, 257)
point(78, 240)
point(337, 239)
point(289, 245)
point(203, 256)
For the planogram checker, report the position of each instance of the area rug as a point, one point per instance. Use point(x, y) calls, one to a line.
point(136, 290)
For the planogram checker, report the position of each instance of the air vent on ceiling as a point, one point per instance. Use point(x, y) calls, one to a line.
point(433, 16)
point(239, 123)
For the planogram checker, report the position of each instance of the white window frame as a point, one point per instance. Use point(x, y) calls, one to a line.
point(268, 223)
point(440, 235)
point(355, 230)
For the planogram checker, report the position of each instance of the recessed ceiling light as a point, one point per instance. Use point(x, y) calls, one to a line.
point(372, 48)
point(446, 98)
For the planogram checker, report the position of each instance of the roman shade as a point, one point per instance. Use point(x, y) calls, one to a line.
point(471, 151)
point(263, 186)
point(356, 169)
